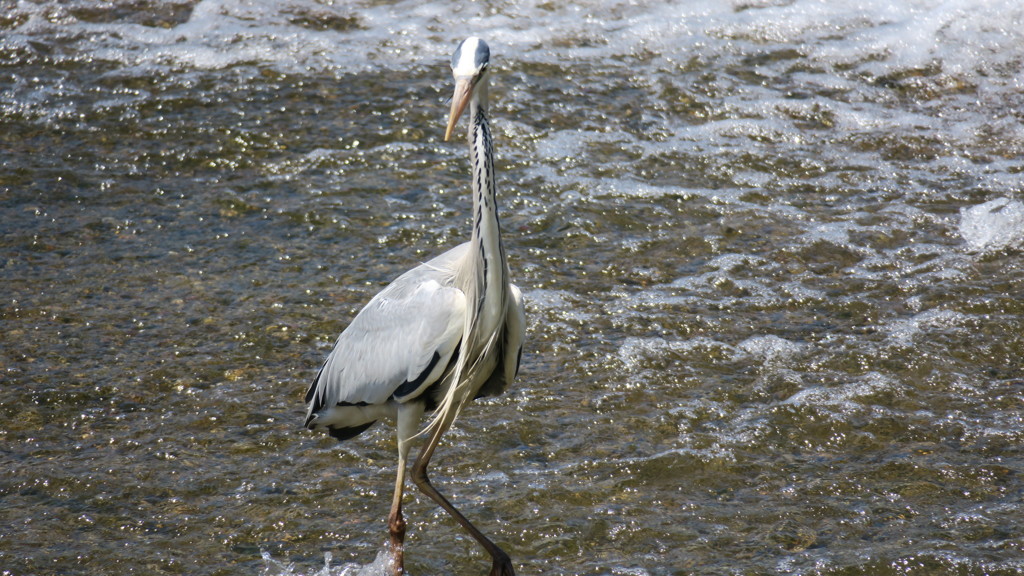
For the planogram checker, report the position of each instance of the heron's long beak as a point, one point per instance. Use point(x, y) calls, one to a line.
point(463, 94)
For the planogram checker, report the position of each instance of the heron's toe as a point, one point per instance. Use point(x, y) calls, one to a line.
point(502, 567)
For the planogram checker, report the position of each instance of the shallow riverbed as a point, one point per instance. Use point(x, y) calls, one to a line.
point(772, 253)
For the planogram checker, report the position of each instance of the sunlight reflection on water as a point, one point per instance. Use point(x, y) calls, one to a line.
point(771, 254)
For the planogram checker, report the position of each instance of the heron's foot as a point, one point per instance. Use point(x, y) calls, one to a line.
point(502, 566)
point(396, 528)
point(397, 559)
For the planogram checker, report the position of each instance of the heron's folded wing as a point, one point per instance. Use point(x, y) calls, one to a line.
point(397, 345)
point(515, 326)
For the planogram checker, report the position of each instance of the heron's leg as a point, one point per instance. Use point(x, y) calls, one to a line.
point(396, 522)
point(407, 420)
point(501, 563)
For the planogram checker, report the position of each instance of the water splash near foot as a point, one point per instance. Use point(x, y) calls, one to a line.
point(381, 566)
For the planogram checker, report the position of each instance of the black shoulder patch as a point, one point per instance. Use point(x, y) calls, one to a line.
point(410, 386)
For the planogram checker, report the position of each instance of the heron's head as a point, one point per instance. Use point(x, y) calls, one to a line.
point(469, 67)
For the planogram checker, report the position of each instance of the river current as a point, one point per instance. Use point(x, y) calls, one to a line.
point(771, 253)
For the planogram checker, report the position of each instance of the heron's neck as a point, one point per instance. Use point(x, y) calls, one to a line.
point(486, 231)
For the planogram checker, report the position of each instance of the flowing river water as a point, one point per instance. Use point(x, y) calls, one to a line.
point(771, 252)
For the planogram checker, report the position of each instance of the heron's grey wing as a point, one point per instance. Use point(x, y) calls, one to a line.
point(515, 332)
point(511, 346)
point(398, 344)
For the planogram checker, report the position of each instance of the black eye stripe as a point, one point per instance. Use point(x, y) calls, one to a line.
point(483, 54)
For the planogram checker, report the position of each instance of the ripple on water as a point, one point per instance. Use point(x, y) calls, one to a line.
point(771, 253)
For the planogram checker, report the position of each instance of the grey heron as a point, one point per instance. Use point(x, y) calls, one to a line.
point(446, 332)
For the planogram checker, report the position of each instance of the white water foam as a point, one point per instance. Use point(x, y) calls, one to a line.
point(903, 331)
point(846, 396)
point(977, 38)
point(994, 225)
point(770, 348)
point(381, 566)
point(634, 351)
